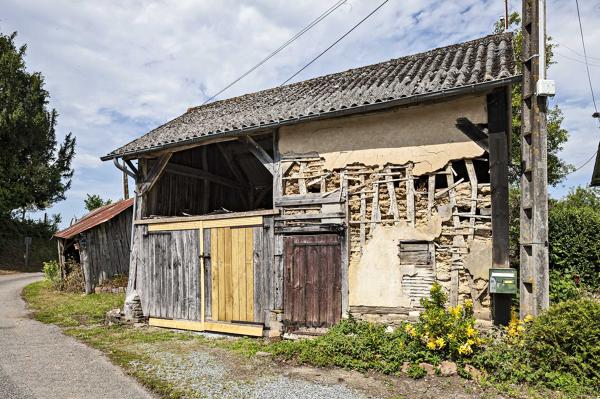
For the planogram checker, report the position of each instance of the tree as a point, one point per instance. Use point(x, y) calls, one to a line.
point(558, 169)
point(94, 201)
point(34, 173)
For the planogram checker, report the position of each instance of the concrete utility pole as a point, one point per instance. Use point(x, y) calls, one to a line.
point(534, 276)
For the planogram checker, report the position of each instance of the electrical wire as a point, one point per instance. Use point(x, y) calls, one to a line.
point(576, 60)
point(583, 164)
point(576, 52)
point(334, 43)
point(585, 57)
point(321, 17)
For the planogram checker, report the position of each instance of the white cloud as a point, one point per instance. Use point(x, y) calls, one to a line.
point(117, 69)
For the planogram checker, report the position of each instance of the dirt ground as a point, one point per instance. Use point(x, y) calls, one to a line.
point(215, 372)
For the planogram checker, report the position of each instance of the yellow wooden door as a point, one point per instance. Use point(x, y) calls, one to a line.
point(232, 274)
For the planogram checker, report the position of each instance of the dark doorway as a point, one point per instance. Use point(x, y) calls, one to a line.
point(312, 281)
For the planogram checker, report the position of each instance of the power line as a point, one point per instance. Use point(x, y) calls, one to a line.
point(576, 52)
point(583, 164)
point(585, 57)
point(576, 60)
point(334, 43)
point(321, 17)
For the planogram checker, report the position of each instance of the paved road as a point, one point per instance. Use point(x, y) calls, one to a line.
point(38, 361)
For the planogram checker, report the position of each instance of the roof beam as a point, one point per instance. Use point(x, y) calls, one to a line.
point(155, 173)
point(473, 132)
point(260, 154)
point(196, 173)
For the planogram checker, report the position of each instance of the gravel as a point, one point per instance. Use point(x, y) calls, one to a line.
point(207, 376)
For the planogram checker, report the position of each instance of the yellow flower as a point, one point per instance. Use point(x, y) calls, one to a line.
point(469, 304)
point(410, 330)
point(431, 345)
point(470, 342)
point(465, 349)
point(440, 342)
point(456, 311)
point(528, 318)
point(470, 331)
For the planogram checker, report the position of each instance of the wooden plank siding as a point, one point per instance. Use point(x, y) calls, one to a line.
point(232, 274)
point(170, 277)
point(312, 281)
point(107, 253)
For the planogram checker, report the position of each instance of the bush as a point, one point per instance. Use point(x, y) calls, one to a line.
point(574, 237)
point(558, 350)
point(440, 334)
point(564, 343)
point(52, 272)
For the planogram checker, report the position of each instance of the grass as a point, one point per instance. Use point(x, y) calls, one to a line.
point(68, 309)
point(82, 317)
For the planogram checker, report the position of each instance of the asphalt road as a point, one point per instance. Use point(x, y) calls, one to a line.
point(38, 361)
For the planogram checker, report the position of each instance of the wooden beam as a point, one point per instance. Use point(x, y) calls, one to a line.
point(260, 153)
point(498, 104)
point(155, 173)
point(233, 167)
point(255, 330)
point(307, 199)
point(196, 173)
point(473, 132)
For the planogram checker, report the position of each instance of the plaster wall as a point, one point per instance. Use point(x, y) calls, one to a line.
point(423, 134)
point(375, 278)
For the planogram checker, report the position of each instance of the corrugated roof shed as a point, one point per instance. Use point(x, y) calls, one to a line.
point(447, 70)
point(94, 218)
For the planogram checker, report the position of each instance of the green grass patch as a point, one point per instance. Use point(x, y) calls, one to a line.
point(68, 309)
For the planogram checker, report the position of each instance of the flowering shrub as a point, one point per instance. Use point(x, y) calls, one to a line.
point(451, 332)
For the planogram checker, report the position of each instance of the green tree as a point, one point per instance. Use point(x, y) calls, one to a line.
point(94, 201)
point(34, 171)
point(558, 169)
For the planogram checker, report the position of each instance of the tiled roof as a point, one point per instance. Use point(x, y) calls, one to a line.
point(94, 218)
point(453, 69)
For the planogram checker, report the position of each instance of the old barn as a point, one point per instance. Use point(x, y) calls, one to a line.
point(285, 209)
point(99, 242)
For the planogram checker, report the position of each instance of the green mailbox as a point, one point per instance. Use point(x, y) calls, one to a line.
point(503, 281)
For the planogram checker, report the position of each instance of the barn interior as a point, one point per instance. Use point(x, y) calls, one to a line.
point(222, 177)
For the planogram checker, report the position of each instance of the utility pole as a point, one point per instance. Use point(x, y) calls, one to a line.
point(534, 275)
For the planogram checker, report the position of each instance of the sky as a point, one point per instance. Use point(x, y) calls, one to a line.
point(117, 69)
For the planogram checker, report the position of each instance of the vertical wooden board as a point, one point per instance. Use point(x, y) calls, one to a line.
point(430, 195)
point(234, 276)
point(298, 274)
point(228, 273)
point(258, 265)
point(175, 270)
point(208, 283)
point(195, 272)
point(215, 271)
point(337, 282)
point(249, 277)
point(312, 297)
point(287, 286)
point(151, 285)
point(222, 274)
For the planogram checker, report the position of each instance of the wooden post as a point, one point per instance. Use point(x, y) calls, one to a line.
point(125, 186)
point(534, 275)
point(27, 255)
point(85, 265)
point(498, 105)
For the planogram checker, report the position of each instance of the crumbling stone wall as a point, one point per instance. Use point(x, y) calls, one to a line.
point(449, 208)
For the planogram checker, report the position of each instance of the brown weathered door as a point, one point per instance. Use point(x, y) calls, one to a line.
point(312, 294)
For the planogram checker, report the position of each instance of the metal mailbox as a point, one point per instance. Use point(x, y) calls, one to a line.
point(503, 281)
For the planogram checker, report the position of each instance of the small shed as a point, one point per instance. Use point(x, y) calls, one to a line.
point(99, 242)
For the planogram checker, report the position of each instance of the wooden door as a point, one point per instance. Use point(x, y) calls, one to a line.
point(232, 274)
point(312, 280)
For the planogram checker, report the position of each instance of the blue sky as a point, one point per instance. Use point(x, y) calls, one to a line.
point(117, 69)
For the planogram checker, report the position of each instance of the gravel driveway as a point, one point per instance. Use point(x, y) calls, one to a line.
point(38, 361)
